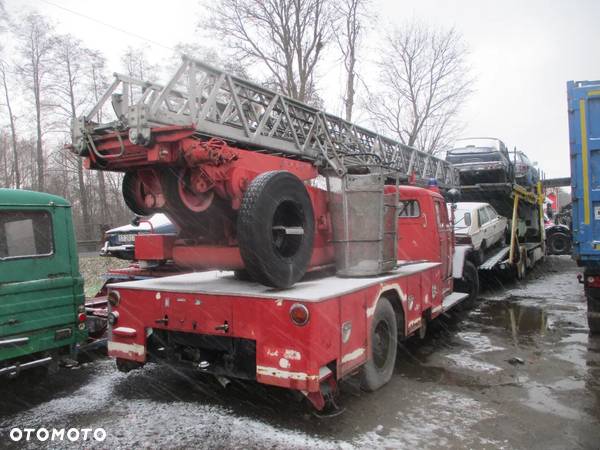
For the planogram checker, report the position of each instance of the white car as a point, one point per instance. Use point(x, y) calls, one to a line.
point(478, 224)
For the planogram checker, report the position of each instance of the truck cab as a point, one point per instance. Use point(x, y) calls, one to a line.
point(424, 229)
point(42, 315)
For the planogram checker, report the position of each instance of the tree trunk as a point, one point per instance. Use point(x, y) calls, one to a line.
point(101, 179)
point(103, 201)
point(83, 195)
point(38, 145)
point(350, 90)
point(5, 161)
point(13, 134)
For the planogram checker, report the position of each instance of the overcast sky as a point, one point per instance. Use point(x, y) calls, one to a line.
point(522, 54)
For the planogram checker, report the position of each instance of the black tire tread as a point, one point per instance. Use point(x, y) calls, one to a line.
point(593, 307)
point(127, 187)
point(470, 278)
point(551, 242)
point(246, 239)
point(371, 378)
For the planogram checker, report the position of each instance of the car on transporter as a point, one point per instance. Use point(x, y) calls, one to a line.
point(479, 225)
point(526, 173)
point(481, 160)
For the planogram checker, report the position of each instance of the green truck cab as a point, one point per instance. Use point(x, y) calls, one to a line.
point(42, 315)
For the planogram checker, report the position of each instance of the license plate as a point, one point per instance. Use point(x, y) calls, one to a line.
point(127, 238)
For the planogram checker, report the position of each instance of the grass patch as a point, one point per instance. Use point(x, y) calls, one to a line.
point(93, 267)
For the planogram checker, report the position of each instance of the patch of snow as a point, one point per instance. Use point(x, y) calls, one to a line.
point(443, 419)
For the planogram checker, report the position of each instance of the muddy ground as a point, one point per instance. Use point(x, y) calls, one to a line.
point(517, 371)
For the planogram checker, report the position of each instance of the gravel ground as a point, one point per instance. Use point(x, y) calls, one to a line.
point(517, 371)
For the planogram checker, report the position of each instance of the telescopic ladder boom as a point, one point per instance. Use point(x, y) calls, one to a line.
point(219, 104)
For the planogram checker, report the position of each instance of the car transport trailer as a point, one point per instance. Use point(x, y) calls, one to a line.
point(524, 244)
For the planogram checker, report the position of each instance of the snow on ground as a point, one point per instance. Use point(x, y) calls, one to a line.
point(443, 419)
point(470, 358)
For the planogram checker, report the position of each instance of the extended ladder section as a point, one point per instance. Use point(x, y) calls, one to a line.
point(218, 104)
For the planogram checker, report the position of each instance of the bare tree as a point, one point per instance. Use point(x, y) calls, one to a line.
point(36, 43)
point(287, 37)
point(4, 18)
point(353, 14)
point(424, 80)
point(137, 65)
point(97, 83)
point(13, 133)
point(208, 55)
point(70, 89)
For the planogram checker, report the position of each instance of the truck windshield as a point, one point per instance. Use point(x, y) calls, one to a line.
point(25, 234)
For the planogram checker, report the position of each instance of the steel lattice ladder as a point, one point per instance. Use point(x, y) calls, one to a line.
point(219, 104)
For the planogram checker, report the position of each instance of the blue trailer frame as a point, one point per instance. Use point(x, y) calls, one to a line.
point(584, 140)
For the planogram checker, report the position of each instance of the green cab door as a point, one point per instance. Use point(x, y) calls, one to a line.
point(40, 287)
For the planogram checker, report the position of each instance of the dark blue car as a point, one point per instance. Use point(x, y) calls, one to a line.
point(120, 241)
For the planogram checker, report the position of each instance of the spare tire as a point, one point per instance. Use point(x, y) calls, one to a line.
point(275, 229)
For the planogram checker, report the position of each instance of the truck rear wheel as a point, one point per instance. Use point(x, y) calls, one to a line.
point(559, 244)
point(275, 229)
point(125, 365)
point(469, 283)
point(206, 222)
point(379, 368)
point(133, 194)
point(593, 314)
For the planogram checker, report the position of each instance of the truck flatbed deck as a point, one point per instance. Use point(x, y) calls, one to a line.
point(310, 291)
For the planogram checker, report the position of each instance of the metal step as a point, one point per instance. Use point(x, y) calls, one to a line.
point(452, 300)
point(219, 104)
point(496, 259)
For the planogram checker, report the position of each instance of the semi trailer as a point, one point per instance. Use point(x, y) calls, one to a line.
point(584, 140)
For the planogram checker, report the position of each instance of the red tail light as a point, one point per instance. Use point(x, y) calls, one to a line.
point(299, 314)
point(81, 317)
point(593, 281)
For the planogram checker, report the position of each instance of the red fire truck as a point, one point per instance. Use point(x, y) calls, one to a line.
point(308, 246)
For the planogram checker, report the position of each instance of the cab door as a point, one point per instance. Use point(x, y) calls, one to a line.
point(445, 237)
point(37, 286)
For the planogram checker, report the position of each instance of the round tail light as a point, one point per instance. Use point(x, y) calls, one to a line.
point(81, 317)
point(114, 298)
point(299, 314)
point(112, 318)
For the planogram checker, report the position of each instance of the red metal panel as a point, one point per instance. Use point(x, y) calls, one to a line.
point(157, 247)
point(208, 257)
point(353, 330)
point(414, 290)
